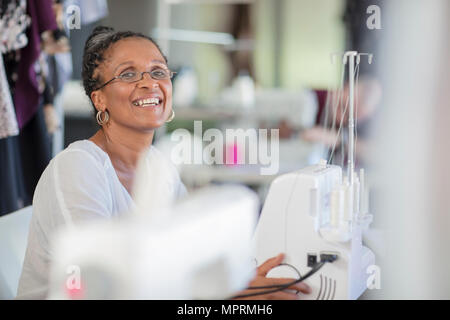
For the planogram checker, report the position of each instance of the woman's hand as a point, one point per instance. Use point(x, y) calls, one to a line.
point(261, 280)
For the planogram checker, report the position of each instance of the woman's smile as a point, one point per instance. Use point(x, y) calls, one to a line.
point(149, 100)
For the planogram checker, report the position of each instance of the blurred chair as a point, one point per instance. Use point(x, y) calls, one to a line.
point(13, 243)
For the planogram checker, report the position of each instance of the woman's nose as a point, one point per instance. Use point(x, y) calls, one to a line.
point(147, 81)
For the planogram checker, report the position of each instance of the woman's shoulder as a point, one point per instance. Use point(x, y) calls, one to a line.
point(82, 152)
point(76, 171)
point(81, 160)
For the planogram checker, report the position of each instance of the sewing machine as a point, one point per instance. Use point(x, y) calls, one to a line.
point(317, 213)
point(307, 214)
point(200, 249)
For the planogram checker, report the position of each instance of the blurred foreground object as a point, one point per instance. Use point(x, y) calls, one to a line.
point(201, 249)
point(412, 151)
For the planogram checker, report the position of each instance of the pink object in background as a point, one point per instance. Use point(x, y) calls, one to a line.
point(232, 155)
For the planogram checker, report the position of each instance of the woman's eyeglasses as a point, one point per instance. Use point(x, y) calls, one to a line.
point(133, 76)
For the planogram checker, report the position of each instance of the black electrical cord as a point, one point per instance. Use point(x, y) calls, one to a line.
point(282, 286)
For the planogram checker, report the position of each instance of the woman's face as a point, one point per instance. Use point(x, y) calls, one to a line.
point(128, 103)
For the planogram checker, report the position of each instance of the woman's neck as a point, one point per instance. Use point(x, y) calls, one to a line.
point(124, 146)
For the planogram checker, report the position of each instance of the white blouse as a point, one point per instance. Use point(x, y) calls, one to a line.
point(78, 185)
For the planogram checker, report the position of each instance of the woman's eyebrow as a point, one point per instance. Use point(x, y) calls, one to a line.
point(161, 62)
point(131, 62)
point(123, 63)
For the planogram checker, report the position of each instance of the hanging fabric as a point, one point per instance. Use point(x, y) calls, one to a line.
point(26, 97)
point(8, 122)
point(13, 23)
point(24, 157)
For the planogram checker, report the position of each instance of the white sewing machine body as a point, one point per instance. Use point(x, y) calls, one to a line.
point(198, 249)
point(308, 213)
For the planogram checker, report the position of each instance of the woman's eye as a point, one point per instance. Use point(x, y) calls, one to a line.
point(128, 75)
point(159, 73)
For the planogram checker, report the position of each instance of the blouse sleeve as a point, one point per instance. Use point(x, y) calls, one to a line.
point(75, 189)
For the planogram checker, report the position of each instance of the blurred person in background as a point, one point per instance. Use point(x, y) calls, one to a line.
point(368, 88)
point(368, 97)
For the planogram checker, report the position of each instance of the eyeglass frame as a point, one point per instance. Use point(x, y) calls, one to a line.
point(171, 74)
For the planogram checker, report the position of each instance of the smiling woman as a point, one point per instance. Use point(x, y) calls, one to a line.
point(122, 71)
point(129, 83)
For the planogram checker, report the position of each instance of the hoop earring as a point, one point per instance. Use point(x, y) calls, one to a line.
point(171, 117)
point(99, 119)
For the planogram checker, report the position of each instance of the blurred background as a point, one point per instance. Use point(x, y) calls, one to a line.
point(263, 64)
point(240, 64)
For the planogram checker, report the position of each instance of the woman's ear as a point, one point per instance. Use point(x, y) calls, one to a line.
point(98, 100)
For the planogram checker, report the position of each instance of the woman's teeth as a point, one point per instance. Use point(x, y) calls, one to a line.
point(147, 102)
